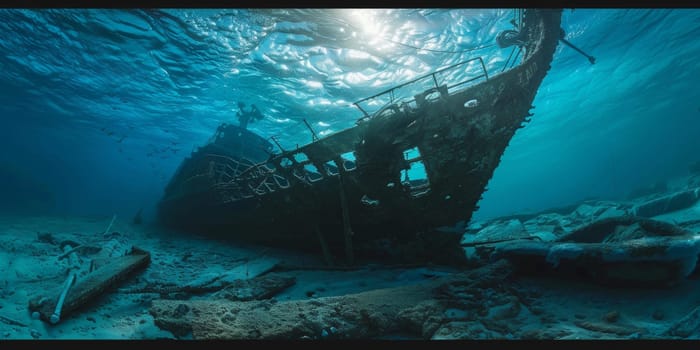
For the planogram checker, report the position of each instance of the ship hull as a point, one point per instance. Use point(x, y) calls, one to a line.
point(367, 206)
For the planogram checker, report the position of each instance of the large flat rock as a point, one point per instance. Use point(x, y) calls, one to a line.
point(416, 309)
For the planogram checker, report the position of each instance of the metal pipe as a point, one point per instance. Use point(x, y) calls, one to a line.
point(59, 305)
point(110, 225)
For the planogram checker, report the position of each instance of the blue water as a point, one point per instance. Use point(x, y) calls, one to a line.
point(99, 107)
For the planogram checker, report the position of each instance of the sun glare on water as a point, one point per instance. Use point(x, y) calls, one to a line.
point(370, 26)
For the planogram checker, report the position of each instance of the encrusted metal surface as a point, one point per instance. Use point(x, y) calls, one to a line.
point(457, 134)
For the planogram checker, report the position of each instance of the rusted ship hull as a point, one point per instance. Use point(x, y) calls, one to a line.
point(317, 198)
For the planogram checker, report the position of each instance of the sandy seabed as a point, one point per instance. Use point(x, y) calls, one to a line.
point(195, 288)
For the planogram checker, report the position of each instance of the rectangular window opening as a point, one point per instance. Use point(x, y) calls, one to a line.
point(348, 161)
point(330, 167)
point(312, 173)
point(415, 177)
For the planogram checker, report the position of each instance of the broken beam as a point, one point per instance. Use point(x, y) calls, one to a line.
point(92, 286)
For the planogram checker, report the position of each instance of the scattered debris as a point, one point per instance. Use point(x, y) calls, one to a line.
point(11, 322)
point(609, 328)
point(34, 333)
point(612, 316)
point(91, 286)
point(675, 201)
point(687, 325)
point(46, 238)
point(625, 251)
point(80, 249)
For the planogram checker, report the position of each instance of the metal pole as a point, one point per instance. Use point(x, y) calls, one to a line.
point(324, 247)
point(313, 134)
point(347, 231)
point(59, 305)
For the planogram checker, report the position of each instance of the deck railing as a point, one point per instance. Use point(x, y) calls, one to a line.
point(390, 92)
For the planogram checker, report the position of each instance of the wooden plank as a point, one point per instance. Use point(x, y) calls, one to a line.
point(91, 286)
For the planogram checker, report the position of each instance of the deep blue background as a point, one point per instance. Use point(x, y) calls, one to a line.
point(98, 107)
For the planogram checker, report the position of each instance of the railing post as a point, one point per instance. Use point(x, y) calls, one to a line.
point(433, 75)
point(274, 139)
point(360, 108)
point(435, 80)
point(313, 134)
point(483, 66)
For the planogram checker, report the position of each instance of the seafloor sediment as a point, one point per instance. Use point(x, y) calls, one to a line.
point(194, 288)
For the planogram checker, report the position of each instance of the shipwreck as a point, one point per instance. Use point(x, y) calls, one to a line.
point(384, 188)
